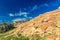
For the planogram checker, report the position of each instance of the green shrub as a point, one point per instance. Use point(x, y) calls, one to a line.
point(37, 37)
point(4, 27)
point(20, 37)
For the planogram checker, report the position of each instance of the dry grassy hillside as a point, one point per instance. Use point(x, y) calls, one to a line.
point(46, 25)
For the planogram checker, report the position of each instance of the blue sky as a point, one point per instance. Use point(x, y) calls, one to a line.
point(15, 10)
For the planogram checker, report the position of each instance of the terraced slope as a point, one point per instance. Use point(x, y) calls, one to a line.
point(46, 26)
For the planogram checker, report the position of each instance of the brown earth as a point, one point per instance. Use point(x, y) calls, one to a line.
point(45, 25)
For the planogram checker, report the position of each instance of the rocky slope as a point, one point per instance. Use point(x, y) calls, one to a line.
point(46, 25)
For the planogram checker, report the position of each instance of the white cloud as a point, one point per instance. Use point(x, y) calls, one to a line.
point(19, 19)
point(24, 14)
point(59, 7)
point(34, 7)
point(30, 17)
point(11, 14)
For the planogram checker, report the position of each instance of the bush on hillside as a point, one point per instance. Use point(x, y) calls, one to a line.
point(4, 27)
